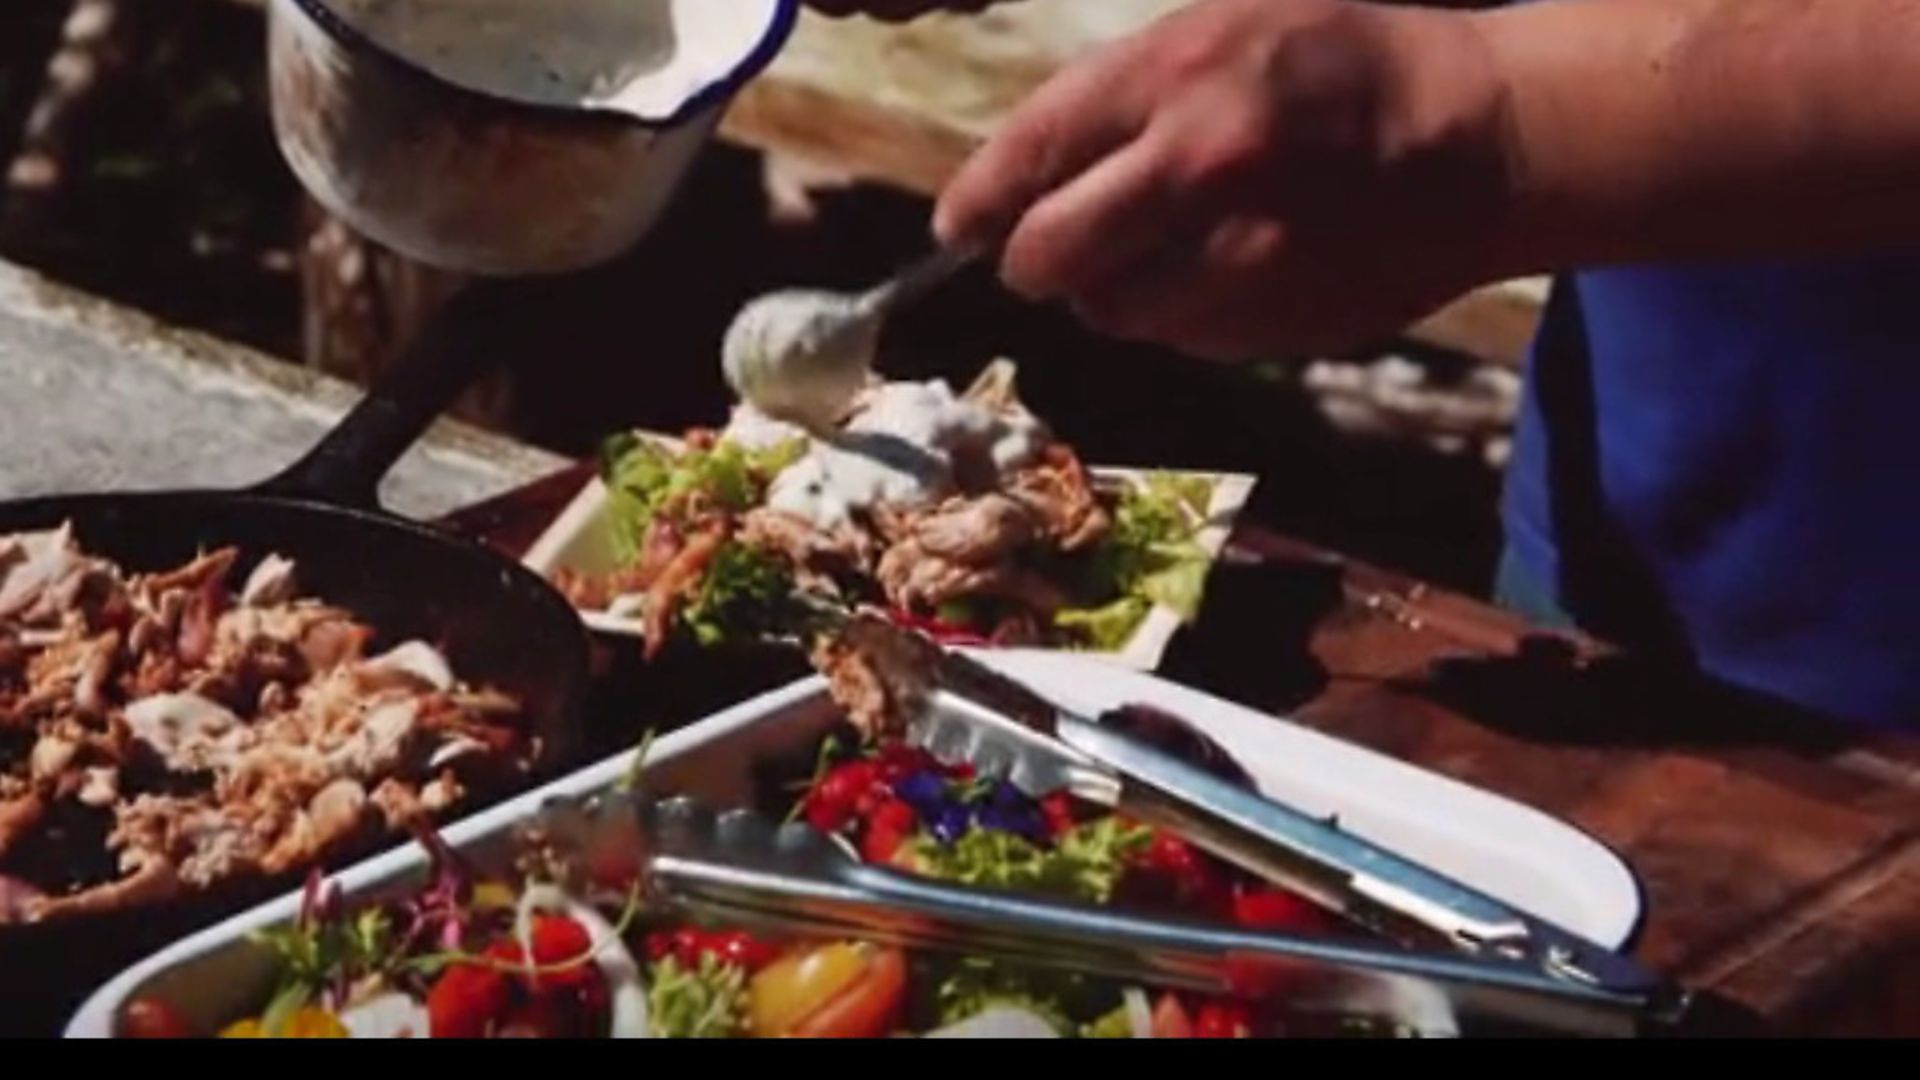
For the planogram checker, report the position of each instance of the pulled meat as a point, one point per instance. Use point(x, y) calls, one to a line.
point(225, 733)
point(1061, 496)
point(1002, 531)
point(876, 673)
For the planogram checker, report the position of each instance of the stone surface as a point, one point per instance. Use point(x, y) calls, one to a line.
point(99, 398)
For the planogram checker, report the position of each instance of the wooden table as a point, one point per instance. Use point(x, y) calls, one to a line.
point(1780, 859)
point(905, 105)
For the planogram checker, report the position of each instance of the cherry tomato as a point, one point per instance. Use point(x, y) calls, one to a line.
point(845, 784)
point(889, 827)
point(838, 795)
point(1222, 1020)
point(823, 817)
point(560, 942)
point(539, 1017)
point(578, 1013)
point(688, 944)
point(898, 761)
point(1058, 810)
point(1263, 908)
point(1170, 1020)
point(1178, 874)
point(869, 1009)
point(467, 1001)
point(743, 950)
point(149, 1019)
point(566, 998)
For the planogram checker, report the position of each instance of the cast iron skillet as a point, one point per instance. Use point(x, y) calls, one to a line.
point(500, 624)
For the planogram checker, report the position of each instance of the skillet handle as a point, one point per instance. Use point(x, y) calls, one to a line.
point(452, 354)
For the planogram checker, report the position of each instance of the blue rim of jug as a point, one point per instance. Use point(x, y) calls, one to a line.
point(782, 18)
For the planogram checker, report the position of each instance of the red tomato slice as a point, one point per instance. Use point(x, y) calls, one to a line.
point(1260, 908)
point(1222, 1020)
point(466, 1002)
point(866, 1010)
point(148, 1019)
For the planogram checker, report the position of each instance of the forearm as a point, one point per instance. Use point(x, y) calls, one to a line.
point(1645, 130)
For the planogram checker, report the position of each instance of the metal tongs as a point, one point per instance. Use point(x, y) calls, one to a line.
point(742, 869)
point(961, 710)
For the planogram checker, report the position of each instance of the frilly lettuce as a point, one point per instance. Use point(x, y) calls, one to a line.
point(644, 476)
point(1151, 557)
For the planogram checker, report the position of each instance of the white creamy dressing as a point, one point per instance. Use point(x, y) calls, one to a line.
point(645, 57)
point(800, 355)
point(901, 446)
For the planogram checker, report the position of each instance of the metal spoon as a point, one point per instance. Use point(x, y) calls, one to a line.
point(801, 355)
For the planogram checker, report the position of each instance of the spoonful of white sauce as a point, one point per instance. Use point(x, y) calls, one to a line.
point(803, 355)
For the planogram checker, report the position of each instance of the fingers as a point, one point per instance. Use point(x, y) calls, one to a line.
point(1100, 224)
point(1067, 126)
point(1213, 293)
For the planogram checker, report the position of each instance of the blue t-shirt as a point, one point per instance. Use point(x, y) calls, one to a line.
point(1719, 463)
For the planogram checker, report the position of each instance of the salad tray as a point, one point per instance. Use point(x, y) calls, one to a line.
point(736, 758)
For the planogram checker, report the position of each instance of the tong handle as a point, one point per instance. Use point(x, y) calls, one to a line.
point(870, 903)
point(1279, 843)
point(1337, 869)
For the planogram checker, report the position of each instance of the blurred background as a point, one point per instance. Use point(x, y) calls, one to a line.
point(139, 164)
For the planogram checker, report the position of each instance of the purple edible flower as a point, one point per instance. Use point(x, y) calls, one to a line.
point(950, 824)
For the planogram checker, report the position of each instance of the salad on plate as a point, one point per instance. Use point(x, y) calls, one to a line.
point(961, 514)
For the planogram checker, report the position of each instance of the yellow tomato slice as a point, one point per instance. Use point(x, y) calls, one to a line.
point(787, 990)
point(868, 1009)
point(309, 1023)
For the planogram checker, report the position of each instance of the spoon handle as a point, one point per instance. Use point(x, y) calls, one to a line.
point(917, 280)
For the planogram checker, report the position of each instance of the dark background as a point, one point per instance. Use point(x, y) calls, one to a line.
point(172, 198)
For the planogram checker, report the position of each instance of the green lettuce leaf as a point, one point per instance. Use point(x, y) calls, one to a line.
point(708, 1002)
point(1114, 1025)
point(1190, 492)
point(1086, 863)
point(1179, 584)
point(745, 594)
point(978, 985)
point(1152, 556)
point(643, 477)
point(1107, 628)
